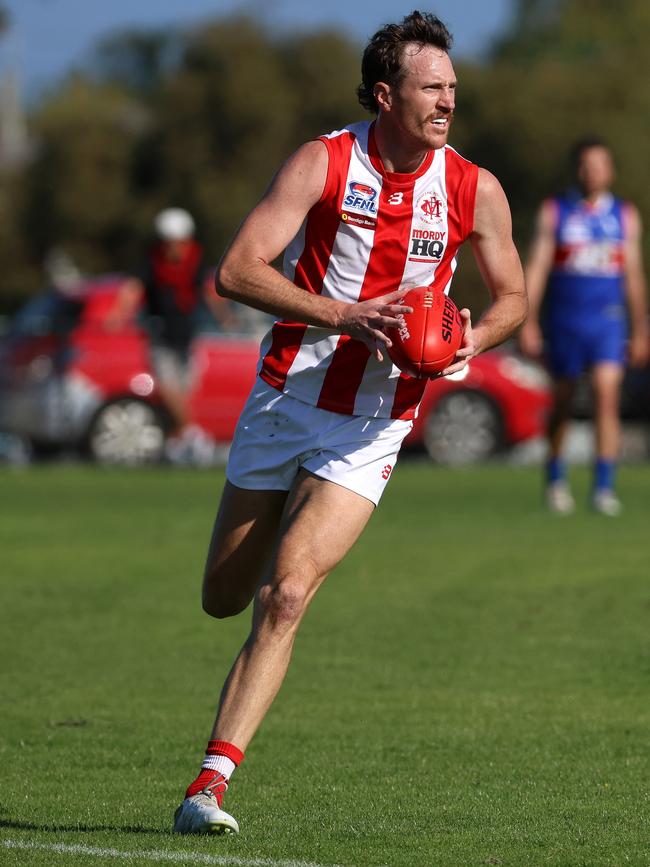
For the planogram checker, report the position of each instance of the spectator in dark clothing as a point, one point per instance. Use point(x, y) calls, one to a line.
point(174, 284)
point(172, 287)
point(173, 279)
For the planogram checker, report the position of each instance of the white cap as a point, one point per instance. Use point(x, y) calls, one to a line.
point(174, 224)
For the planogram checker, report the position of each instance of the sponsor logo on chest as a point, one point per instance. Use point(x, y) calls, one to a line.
point(426, 245)
point(428, 238)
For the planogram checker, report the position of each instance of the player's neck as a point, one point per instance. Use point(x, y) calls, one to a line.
point(396, 156)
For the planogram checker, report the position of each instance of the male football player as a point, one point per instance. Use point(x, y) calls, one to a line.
point(360, 214)
point(586, 265)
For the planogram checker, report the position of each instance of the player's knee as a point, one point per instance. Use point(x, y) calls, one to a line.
point(283, 603)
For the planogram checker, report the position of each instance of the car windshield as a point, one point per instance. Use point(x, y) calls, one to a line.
point(47, 314)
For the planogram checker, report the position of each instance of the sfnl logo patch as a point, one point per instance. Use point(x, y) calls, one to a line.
point(361, 197)
point(360, 206)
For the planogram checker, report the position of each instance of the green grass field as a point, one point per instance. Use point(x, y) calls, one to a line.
point(470, 686)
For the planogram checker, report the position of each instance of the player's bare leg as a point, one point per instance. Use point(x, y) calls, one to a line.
point(560, 418)
point(558, 495)
point(243, 539)
point(606, 381)
point(321, 522)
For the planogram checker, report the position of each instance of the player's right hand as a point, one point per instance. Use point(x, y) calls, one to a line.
point(368, 320)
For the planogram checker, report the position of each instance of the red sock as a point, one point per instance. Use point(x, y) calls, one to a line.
point(208, 779)
point(212, 778)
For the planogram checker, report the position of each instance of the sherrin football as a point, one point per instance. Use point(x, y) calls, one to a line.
point(428, 338)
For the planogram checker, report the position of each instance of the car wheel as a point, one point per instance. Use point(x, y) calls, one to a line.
point(464, 427)
point(127, 431)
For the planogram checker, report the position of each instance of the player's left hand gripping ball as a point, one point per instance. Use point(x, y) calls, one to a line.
point(428, 338)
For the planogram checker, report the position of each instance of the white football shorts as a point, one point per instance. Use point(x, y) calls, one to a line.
point(277, 435)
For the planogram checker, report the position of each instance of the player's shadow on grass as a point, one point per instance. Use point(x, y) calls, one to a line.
point(32, 826)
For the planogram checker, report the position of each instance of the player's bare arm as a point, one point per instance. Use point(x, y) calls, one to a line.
point(501, 270)
point(538, 268)
point(245, 272)
point(636, 289)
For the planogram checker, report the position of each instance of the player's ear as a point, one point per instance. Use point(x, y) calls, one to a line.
point(383, 95)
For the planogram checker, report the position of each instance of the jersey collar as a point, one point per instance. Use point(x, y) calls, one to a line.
point(395, 177)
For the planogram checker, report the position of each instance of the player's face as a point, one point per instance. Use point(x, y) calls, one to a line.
point(595, 170)
point(422, 105)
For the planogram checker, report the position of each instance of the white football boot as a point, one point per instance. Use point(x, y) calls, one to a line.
point(201, 813)
point(605, 501)
point(559, 498)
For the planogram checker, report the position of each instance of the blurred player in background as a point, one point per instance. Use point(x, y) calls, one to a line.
point(585, 271)
point(361, 212)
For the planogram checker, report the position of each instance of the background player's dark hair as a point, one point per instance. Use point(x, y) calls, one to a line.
point(584, 144)
point(382, 59)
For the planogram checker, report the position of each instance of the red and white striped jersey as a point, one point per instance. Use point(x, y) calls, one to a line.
point(370, 233)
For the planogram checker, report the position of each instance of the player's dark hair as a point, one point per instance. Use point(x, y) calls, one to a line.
point(382, 59)
point(584, 144)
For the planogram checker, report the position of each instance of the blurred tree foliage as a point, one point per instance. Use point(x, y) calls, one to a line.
point(196, 119)
point(201, 119)
point(566, 70)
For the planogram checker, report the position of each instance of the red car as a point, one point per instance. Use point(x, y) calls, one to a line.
point(499, 400)
point(67, 381)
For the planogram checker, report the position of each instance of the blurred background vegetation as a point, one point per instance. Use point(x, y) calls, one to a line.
point(201, 118)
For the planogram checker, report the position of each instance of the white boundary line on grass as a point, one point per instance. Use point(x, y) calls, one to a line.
point(156, 854)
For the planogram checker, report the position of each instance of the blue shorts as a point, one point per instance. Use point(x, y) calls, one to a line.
point(573, 348)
